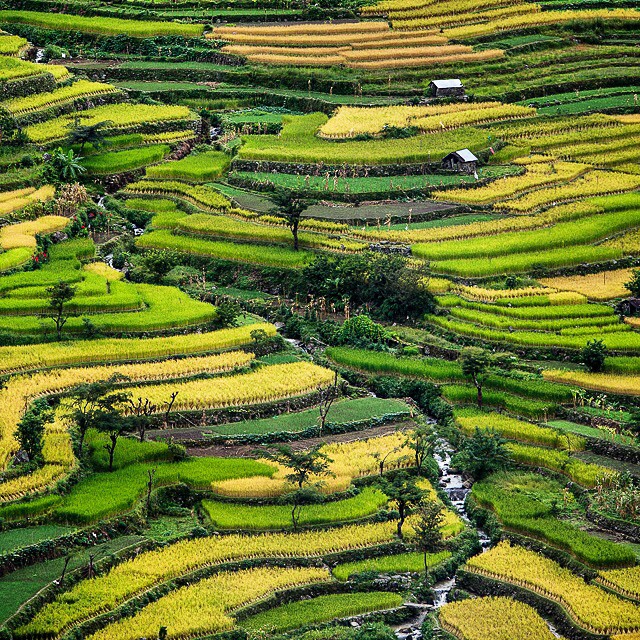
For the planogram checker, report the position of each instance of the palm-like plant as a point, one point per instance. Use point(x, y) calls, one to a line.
point(83, 134)
point(67, 164)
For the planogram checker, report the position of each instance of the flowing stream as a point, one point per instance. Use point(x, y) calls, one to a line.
point(454, 485)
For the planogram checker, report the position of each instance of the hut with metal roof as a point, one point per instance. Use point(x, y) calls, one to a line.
point(452, 88)
point(463, 161)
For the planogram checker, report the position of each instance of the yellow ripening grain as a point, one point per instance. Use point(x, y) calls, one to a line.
point(480, 294)
point(607, 382)
point(23, 234)
point(31, 357)
point(138, 574)
point(440, 51)
point(628, 243)
point(58, 457)
point(22, 389)
point(628, 118)
point(605, 285)
point(595, 183)
point(422, 39)
point(590, 606)
point(104, 271)
point(266, 384)
point(463, 9)
point(245, 50)
point(391, 62)
point(540, 19)
point(348, 122)
point(625, 581)
point(349, 460)
point(203, 608)
point(304, 61)
point(536, 175)
point(11, 201)
point(326, 28)
point(493, 618)
point(418, 21)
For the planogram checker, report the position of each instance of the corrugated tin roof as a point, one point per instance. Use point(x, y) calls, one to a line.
point(453, 83)
point(466, 155)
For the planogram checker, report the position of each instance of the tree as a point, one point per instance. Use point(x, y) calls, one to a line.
point(90, 399)
point(593, 355)
point(66, 164)
point(382, 459)
point(299, 499)
point(151, 473)
point(474, 363)
point(634, 284)
point(327, 397)
point(422, 442)
point(227, 312)
point(633, 423)
point(113, 425)
point(404, 493)
point(83, 134)
point(30, 433)
point(428, 535)
point(142, 412)
point(291, 209)
point(59, 295)
point(481, 454)
point(301, 464)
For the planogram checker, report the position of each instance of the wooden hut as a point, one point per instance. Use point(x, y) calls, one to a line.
point(452, 88)
point(463, 161)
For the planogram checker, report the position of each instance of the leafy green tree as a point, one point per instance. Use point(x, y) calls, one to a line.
point(474, 363)
point(301, 498)
point(228, 311)
point(91, 399)
point(291, 209)
point(428, 534)
point(385, 283)
point(404, 493)
point(84, 134)
point(374, 631)
point(593, 355)
point(60, 295)
point(634, 284)
point(362, 331)
point(66, 165)
point(114, 425)
point(422, 442)
point(302, 465)
point(30, 433)
point(483, 453)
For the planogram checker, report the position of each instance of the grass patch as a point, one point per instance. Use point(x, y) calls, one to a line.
point(198, 167)
point(531, 504)
point(18, 538)
point(270, 517)
point(321, 609)
point(401, 563)
point(119, 161)
point(340, 413)
point(277, 257)
point(105, 494)
point(19, 586)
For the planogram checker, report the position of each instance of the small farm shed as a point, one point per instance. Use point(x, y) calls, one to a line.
point(462, 160)
point(630, 307)
point(452, 88)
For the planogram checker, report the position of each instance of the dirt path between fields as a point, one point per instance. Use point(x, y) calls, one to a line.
point(249, 450)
